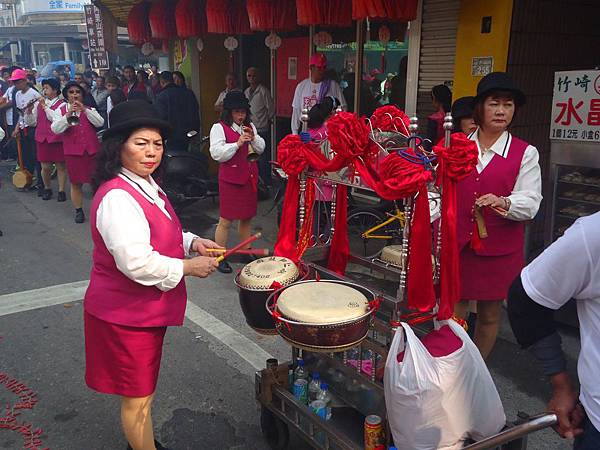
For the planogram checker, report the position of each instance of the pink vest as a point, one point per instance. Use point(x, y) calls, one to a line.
point(505, 236)
point(113, 297)
point(237, 170)
point(81, 138)
point(43, 133)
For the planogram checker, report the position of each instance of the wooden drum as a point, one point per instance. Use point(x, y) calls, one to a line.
point(323, 316)
point(259, 279)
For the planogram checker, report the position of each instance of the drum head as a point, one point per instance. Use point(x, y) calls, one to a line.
point(261, 274)
point(322, 302)
point(392, 254)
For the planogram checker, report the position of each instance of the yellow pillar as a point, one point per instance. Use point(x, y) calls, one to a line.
point(472, 43)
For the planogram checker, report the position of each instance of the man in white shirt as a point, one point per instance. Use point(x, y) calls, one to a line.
point(25, 103)
point(312, 90)
point(230, 85)
point(569, 268)
point(262, 111)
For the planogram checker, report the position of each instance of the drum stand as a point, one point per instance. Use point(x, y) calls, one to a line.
point(355, 376)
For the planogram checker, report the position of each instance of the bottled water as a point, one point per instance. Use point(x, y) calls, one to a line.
point(325, 397)
point(300, 373)
point(314, 387)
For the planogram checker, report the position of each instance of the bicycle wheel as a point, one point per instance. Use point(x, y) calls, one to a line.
point(359, 221)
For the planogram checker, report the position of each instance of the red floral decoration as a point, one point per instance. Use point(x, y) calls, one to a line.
point(162, 20)
point(349, 136)
point(190, 18)
point(290, 154)
point(138, 26)
point(390, 118)
point(403, 177)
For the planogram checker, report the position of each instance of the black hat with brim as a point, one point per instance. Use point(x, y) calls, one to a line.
point(498, 82)
point(236, 100)
point(463, 107)
point(68, 86)
point(134, 114)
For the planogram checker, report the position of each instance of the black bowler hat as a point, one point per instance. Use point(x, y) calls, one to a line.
point(68, 86)
point(134, 114)
point(236, 100)
point(498, 81)
point(461, 108)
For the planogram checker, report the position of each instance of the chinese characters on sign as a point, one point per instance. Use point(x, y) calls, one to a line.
point(95, 32)
point(576, 106)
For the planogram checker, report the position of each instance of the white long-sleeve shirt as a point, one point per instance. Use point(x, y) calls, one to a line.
point(526, 195)
point(52, 115)
point(27, 115)
point(306, 95)
point(121, 222)
point(221, 151)
point(60, 124)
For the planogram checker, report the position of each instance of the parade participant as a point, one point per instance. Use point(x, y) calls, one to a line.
point(230, 85)
point(441, 97)
point(49, 145)
point(229, 145)
point(262, 110)
point(77, 124)
point(462, 115)
point(501, 195)
point(314, 89)
point(137, 286)
point(569, 268)
point(25, 98)
point(112, 85)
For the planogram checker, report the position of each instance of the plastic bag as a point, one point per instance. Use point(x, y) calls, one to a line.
point(439, 402)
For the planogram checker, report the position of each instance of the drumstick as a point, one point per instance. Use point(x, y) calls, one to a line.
point(249, 251)
point(230, 252)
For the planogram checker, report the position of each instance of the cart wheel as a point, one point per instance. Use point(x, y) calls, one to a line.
point(274, 430)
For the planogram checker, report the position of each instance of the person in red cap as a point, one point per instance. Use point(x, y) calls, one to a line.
point(314, 89)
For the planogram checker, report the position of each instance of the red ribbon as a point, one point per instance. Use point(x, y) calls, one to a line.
point(455, 164)
point(390, 118)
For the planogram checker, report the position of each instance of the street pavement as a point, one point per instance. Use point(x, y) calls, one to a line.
point(205, 395)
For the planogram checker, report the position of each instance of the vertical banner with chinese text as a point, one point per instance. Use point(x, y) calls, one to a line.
point(576, 106)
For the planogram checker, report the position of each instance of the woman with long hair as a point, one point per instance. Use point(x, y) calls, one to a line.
point(77, 123)
point(500, 196)
point(137, 286)
point(230, 141)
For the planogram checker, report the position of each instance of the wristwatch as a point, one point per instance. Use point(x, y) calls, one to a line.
point(507, 202)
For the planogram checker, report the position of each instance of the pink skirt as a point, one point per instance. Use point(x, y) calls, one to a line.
point(237, 202)
point(122, 360)
point(48, 152)
point(80, 168)
point(487, 278)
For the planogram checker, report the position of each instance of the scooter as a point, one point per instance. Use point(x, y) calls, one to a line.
point(185, 179)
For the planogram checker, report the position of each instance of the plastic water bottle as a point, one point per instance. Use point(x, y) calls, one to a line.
point(314, 388)
point(325, 397)
point(300, 373)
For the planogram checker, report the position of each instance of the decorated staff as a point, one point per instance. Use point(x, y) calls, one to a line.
point(497, 199)
point(77, 123)
point(233, 143)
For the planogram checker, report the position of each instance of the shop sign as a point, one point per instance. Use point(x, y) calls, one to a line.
point(482, 65)
point(45, 6)
point(95, 34)
point(576, 106)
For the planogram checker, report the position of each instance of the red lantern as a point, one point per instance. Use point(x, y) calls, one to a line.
point(392, 10)
point(138, 26)
point(334, 13)
point(162, 19)
point(272, 15)
point(190, 18)
point(227, 17)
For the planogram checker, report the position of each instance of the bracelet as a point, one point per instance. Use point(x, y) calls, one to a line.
point(507, 202)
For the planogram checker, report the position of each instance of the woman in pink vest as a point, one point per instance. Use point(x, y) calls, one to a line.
point(501, 195)
point(137, 286)
point(229, 145)
point(49, 145)
point(77, 123)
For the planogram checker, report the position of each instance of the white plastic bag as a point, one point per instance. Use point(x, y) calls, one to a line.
point(438, 402)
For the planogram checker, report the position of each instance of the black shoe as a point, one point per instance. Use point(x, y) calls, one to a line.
point(61, 197)
point(224, 267)
point(46, 194)
point(79, 216)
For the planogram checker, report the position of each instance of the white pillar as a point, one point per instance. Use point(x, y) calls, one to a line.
point(414, 53)
point(66, 50)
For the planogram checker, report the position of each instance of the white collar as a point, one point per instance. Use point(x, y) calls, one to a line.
point(148, 188)
point(51, 103)
point(500, 147)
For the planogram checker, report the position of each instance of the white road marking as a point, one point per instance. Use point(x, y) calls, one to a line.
point(41, 298)
point(73, 292)
point(237, 342)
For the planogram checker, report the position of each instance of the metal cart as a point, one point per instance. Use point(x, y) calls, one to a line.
point(355, 376)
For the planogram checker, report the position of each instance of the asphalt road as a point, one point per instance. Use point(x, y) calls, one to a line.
point(205, 396)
